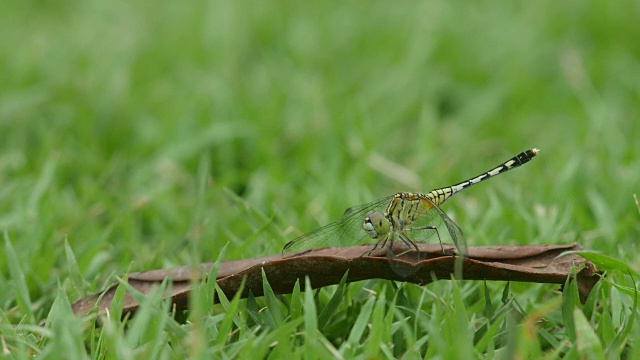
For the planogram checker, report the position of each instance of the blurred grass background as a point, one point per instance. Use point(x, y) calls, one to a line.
point(122, 123)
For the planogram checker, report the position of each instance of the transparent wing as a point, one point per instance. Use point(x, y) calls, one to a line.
point(436, 217)
point(343, 233)
point(429, 216)
point(428, 221)
point(456, 234)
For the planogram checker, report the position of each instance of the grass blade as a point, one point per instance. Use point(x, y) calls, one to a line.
point(570, 301)
point(74, 270)
point(295, 307)
point(360, 324)
point(67, 329)
point(588, 345)
point(604, 262)
point(377, 331)
point(273, 305)
point(619, 341)
point(253, 310)
point(310, 321)
point(19, 281)
point(229, 317)
point(333, 304)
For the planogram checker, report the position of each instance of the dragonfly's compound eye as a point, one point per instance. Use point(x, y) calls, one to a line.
point(368, 228)
point(375, 224)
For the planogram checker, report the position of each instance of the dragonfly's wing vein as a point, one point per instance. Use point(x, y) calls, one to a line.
point(343, 233)
point(436, 215)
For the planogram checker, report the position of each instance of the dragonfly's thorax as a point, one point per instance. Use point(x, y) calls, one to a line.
point(404, 208)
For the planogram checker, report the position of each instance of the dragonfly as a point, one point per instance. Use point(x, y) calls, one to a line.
point(405, 218)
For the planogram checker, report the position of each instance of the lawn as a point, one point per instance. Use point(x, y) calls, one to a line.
point(145, 135)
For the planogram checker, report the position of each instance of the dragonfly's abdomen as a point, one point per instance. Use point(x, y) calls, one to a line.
point(439, 196)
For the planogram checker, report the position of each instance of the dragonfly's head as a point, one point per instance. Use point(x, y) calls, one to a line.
point(375, 224)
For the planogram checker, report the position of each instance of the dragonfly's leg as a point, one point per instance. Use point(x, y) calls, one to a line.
point(390, 249)
point(428, 227)
point(440, 241)
point(367, 253)
point(407, 241)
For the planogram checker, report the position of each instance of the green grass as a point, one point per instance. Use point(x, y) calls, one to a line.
point(125, 127)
